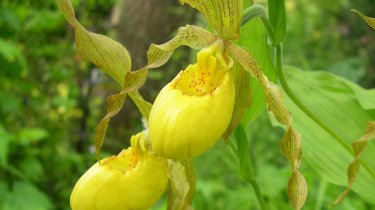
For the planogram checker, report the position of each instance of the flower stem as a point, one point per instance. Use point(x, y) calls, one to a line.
point(299, 103)
point(248, 174)
point(258, 194)
point(289, 92)
point(254, 184)
point(321, 194)
point(307, 111)
point(278, 65)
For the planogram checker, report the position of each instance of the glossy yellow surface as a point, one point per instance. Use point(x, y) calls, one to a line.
point(192, 112)
point(127, 181)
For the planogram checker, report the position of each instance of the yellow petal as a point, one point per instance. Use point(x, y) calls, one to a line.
point(122, 182)
point(192, 112)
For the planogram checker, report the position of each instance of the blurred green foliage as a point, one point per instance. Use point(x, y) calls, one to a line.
point(322, 35)
point(44, 97)
point(50, 104)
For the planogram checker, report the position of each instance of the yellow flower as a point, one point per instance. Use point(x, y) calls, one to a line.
point(192, 112)
point(134, 179)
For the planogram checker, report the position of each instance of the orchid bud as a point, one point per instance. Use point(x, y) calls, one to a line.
point(192, 112)
point(134, 179)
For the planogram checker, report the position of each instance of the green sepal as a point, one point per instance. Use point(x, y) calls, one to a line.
point(115, 102)
point(190, 35)
point(242, 98)
point(114, 105)
point(143, 106)
point(225, 16)
point(113, 59)
point(261, 52)
point(105, 53)
point(181, 187)
point(369, 20)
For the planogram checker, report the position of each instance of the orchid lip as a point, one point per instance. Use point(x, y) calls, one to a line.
point(207, 75)
point(191, 113)
point(125, 162)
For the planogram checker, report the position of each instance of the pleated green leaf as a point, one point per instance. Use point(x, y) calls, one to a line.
point(181, 188)
point(346, 108)
point(105, 53)
point(224, 16)
point(358, 146)
point(369, 20)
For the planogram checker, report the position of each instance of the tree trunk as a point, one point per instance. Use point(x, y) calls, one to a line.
point(143, 22)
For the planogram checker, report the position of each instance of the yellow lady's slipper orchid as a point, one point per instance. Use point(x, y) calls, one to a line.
point(134, 179)
point(192, 112)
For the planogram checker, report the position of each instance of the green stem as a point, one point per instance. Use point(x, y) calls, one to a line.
point(255, 10)
point(321, 194)
point(289, 92)
point(268, 27)
point(258, 194)
point(250, 178)
point(248, 175)
point(258, 11)
point(316, 119)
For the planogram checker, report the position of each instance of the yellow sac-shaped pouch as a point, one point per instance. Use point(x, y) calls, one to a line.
point(132, 180)
point(192, 112)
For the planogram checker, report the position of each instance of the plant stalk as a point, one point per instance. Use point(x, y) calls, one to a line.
point(289, 92)
point(307, 111)
point(250, 178)
point(248, 175)
point(258, 11)
point(321, 194)
point(258, 194)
